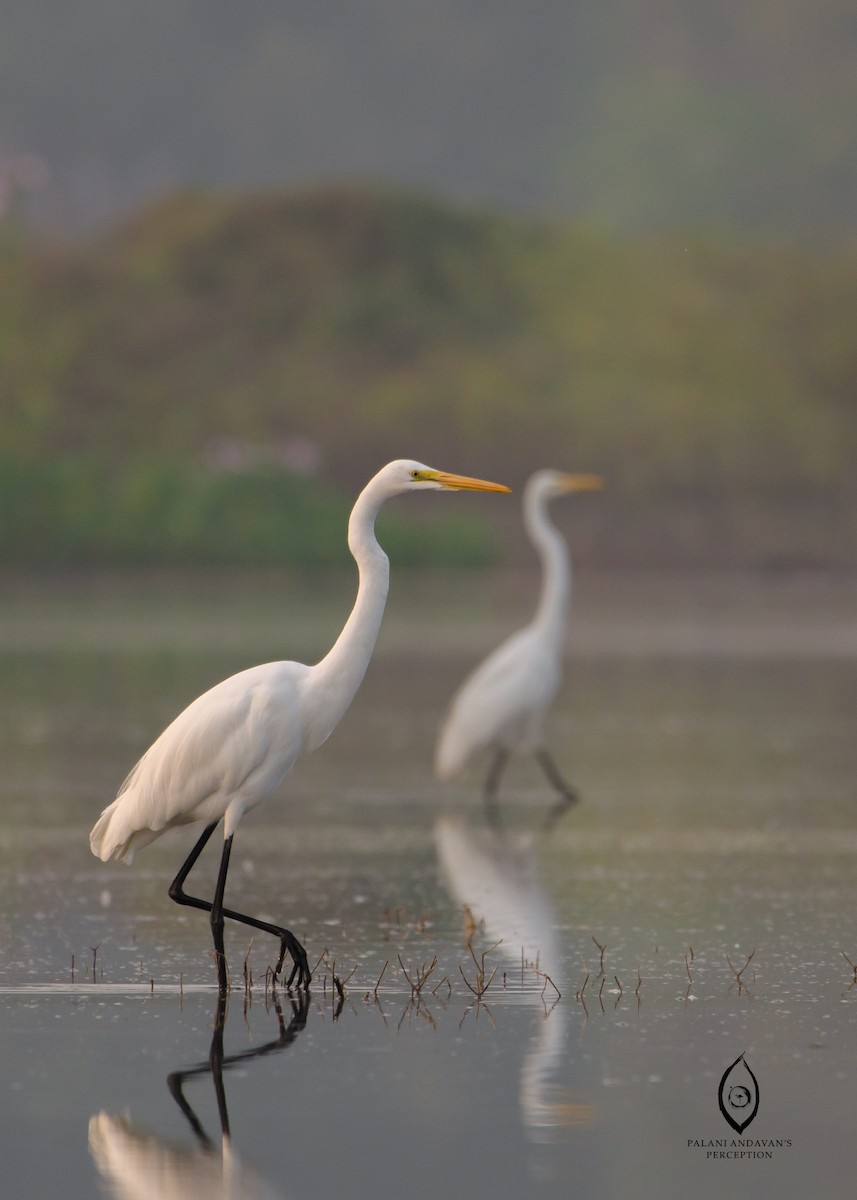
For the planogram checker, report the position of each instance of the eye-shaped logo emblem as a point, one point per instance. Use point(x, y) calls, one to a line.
point(738, 1095)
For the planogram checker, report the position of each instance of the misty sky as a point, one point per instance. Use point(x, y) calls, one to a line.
point(634, 116)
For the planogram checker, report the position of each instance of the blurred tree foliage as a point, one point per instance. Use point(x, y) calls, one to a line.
point(690, 370)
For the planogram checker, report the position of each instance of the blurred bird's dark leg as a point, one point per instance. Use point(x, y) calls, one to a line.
point(492, 786)
point(567, 794)
point(289, 944)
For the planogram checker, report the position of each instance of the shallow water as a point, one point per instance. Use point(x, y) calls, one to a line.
point(709, 726)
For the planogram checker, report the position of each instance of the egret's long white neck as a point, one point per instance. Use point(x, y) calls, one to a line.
point(555, 596)
point(335, 680)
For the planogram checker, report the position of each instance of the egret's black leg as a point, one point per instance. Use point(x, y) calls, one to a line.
point(176, 892)
point(217, 917)
point(289, 944)
point(492, 785)
point(567, 793)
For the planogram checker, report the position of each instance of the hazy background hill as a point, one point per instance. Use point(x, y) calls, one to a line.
point(171, 388)
point(636, 116)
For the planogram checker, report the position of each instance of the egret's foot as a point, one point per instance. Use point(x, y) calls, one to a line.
point(289, 944)
point(568, 798)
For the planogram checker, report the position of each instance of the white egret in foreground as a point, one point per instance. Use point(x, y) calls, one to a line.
point(501, 706)
point(234, 745)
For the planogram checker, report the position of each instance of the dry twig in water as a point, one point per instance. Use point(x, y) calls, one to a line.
point(602, 950)
point(737, 973)
point(248, 974)
point(544, 975)
point(482, 983)
point(421, 974)
point(381, 976)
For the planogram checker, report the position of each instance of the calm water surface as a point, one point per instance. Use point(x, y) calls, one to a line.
point(709, 724)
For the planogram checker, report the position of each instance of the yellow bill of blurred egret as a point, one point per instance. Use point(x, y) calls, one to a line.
point(501, 706)
point(233, 746)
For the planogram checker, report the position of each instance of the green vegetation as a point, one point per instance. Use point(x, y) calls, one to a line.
point(75, 512)
point(699, 375)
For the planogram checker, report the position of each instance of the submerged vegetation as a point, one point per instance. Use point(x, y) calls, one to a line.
point(316, 334)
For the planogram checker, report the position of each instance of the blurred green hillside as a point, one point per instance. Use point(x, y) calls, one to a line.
point(157, 383)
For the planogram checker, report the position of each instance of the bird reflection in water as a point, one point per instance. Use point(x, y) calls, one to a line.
point(136, 1163)
point(495, 878)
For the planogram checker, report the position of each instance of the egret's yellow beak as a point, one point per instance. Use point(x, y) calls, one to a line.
point(582, 483)
point(464, 483)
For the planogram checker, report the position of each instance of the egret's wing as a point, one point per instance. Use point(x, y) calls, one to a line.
point(499, 700)
point(239, 739)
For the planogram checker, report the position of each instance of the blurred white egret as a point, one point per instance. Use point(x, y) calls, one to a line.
point(234, 745)
point(501, 705)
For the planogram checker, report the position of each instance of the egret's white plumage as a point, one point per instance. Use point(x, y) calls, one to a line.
point(501, 706)
point(228, 750)
point(235, 744)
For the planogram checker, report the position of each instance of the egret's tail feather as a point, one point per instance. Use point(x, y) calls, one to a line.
point(113, 837)
point(104, 841)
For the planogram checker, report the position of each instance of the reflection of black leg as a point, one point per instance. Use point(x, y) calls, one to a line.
point(567, 794)
point(217, 1062)
point(492, 785)
point(288, 942)
point(174, 1083)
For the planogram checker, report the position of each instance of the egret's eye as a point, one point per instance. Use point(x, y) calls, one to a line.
point(415, 474)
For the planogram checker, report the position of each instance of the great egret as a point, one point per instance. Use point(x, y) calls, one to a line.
point(234, 745)
point(501, 706)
